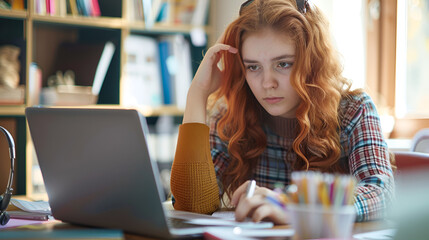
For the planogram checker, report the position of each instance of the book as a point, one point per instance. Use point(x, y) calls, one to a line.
point(40, 7)
point(73, 7)
point(164, 54)
point(156, 9)
point(61, 8)
point(48, 6)
point(81, 7)
point(95, 8)
point(28, 215)
point(4, 5)
point(53, 229)
point(32, 206)
point(174, 11)
point(87, 7)
point(18, 4)
point(176, 69)
point(183, 10)
point(183, 70)
point(142, 81)
point(35, 84)
point(199, 17)
point(102, 66)
point(147, 13)
point(136, 10)
point(52, 7)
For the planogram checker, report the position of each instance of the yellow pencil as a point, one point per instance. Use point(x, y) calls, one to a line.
point(304, 189)
point(323, 194)
point(284, 198)
point(292, 191)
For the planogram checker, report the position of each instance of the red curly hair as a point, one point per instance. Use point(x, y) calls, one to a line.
point(316, 77)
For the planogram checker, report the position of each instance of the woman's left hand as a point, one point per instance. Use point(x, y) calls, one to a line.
point(257, 207)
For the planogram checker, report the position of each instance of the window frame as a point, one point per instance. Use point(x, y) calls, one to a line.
point(381, 66)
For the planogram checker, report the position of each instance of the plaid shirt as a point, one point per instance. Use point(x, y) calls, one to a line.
point(364, 153)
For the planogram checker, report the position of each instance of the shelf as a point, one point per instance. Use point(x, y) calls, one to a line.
point(161, 28)
point(145, 110)
point(18, 14)
point(99, 22)
point(158, 111)
point(16, 110)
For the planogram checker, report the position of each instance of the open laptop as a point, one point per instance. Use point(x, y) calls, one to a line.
point(97, 171)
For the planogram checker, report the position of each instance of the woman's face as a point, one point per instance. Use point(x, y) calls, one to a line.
point(268, 58)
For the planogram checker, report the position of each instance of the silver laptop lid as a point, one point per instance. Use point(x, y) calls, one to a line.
point(97, 169)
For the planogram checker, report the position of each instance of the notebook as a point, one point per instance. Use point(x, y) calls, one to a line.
point(98, 172)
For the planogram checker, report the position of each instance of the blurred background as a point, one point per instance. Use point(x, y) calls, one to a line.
point(144, 53)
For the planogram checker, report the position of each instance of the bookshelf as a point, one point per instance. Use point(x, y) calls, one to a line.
point(40, 37)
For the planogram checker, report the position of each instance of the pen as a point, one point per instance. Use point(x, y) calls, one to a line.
point(250, 189)
point(275, 201)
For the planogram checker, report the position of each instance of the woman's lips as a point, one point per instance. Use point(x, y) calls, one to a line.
point(273, 100)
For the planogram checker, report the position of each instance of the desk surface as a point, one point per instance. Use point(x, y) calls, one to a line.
point(60, 226)
point(54, 225)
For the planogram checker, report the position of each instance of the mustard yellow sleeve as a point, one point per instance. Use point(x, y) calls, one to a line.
point(193, 179)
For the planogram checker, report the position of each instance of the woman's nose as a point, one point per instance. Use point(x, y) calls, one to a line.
point(269, 80)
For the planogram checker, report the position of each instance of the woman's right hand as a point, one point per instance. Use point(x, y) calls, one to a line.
point(207, 78)
point(206, 81)
point(257, 207)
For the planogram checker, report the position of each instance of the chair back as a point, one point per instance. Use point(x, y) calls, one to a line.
point(420, 142)
point(411, 160)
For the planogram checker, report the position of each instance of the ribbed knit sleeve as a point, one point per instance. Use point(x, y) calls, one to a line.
point(193, 180)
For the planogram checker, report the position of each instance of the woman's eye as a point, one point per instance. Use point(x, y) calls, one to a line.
point(285, 65)
point(252, 68)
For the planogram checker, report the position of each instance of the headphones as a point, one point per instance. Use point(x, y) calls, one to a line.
point(5, 198)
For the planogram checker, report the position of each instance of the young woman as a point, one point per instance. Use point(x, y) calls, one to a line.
point(282, 105)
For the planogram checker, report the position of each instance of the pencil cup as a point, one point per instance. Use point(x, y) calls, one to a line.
point(316, 221)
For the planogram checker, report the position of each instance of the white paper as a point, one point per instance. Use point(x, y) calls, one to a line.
point(230, 215)
point(222, 222)
point(36, 207)
point(238, 233)
point(380, 235)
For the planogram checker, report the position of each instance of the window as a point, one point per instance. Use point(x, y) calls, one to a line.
point(347, 25)
point(391, 78)
point(412, 72)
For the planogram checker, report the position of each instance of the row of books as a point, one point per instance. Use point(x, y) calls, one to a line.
point(64, 7)
point(158, 71)
point(192, 12)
